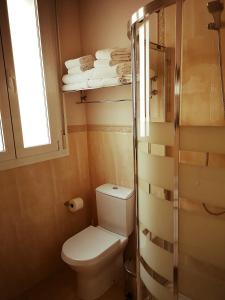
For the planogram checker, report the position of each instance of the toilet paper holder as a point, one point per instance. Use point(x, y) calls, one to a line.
point(75, 204)
point(67, 203)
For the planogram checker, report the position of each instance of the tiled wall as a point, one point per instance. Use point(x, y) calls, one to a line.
point(34, 223)
point(111, 155)
point(110, 141)
point(110, 138)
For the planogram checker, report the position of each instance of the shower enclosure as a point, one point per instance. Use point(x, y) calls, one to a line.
point(179, 139)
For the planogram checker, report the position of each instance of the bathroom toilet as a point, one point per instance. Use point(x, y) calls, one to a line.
point(96, 253)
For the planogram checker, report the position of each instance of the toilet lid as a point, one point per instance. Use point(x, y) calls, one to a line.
point(89, 244)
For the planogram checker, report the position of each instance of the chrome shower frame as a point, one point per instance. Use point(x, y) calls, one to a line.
point(136, 18)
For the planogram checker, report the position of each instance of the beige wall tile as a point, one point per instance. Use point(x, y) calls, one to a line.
point(111, 158)
point(34, 223)
point(110, 114)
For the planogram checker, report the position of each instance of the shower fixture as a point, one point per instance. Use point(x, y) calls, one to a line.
point(216, 8)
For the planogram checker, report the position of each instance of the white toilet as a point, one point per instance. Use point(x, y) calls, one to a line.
point(96, 253)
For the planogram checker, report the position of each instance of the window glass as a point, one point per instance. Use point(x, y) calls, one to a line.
point(28, 63)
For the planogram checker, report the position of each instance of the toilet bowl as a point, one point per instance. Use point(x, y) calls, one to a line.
point(96, 255)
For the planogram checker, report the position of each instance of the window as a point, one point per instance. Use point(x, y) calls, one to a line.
point(31, 103)
point(28, 64)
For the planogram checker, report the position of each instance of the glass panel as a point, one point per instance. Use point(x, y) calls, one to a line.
point(157, 258)
point(155, 288)
point(155, 155)
point(152, 210)
point(162, 133)
point(2, 143)
point(202, 141)
point(26, 45)
point(201, 237)
point(142, 80)
point(203, 138)
point(198, 281)
point(157, 170)
point(202, 184)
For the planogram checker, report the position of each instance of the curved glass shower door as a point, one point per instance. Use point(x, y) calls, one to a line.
point(154, 39)
point(179, 150)
point(202, 155)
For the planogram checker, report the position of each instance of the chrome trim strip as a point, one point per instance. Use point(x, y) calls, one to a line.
point(177, 90)
point(103, 101)
point(150, 8)
point(135, 151)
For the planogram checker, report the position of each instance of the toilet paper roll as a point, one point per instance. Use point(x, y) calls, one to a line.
point(75, 204)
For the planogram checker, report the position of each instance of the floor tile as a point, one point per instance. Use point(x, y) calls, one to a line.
point(62, 286)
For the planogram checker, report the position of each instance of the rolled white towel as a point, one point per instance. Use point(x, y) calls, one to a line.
point(115, 54)
point(79, 61)
point(81, 85)
point(73, 78)
point(114, 71)
point(101, 63)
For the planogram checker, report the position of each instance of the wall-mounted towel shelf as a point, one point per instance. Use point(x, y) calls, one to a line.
point(83, 95)
point(87, 89)
point(105, 101)
point(83, 99)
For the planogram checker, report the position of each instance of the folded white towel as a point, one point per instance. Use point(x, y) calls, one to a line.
point(101, 63)
point(81, 69)
point(115, 54)
point(73, 78)
point(97, 83)
point(114, 71)
point(79, 61)
point(82, 85)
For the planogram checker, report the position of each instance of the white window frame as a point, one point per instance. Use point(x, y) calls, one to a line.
point(16, 154)
point(9, 152)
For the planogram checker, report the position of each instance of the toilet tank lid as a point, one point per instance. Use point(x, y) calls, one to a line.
point(116, 191)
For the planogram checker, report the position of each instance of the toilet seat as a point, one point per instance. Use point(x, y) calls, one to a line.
point(89, 245)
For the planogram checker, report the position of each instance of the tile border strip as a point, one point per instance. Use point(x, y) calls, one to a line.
point(110, 128)
point(103, 128)
point(76, 128)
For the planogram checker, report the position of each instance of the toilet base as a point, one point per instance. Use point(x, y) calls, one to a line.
point(91, 285)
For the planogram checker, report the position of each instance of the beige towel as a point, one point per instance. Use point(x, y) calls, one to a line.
point(110, 72)
point(73, 78)
point(126, 79)
point(79, 61)
point(114, 54)
point(101, 63)
point(81, 68)
point(123, 69)
point(121, 57)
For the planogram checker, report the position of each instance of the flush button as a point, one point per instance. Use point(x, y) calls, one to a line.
point(115, 188)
